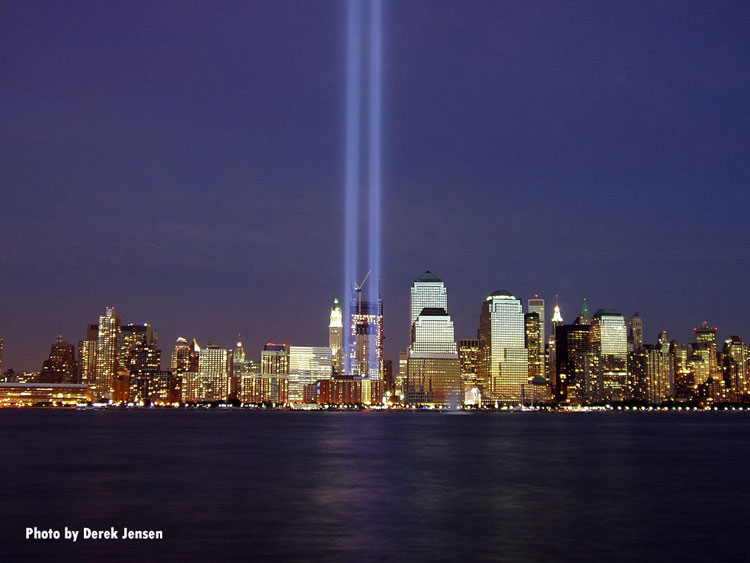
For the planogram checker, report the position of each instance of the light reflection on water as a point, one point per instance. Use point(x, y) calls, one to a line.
point(315, 485)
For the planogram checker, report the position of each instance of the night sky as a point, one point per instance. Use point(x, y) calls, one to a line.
point(184, 163)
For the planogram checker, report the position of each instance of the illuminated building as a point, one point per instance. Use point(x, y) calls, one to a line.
point(154, 387)
point(683, 378)
point(707, 335)
point(180, 361)
point(433, 372)
point(61, 366)
point(659, 373)
point(572, 359)
point(735, 362)
point(240, 364)
point(699, 363)
point(427, 292)
point(635, 335)
point(87, 356)
point(1, 354)
point(585, 317)
point(609, 356)
point(536, 305)
point(307, 365)
point(503, 367)
point(194, 356)
point(107, 355)
point(532, 335)
point(257, 388)
point(274, 359)
point(216, 369)
point(403, 362)
point(557, 321)
point(336, 338)
point(468, 357)
point(366, 335)
point(42, 394)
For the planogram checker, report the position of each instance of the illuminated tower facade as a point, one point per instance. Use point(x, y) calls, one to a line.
point(503, 360)
point(468, 357)
point(706, 336)
point(572, 362)
point(366, 337)
point(107, 354)
point(307, 364)
point(532, 334)
point(87, 356)
point(536, 305)
point(735, 363)
point(608, 379)
point(336, 338)
point(274, 359)
point(180, 361)
point(427, 292)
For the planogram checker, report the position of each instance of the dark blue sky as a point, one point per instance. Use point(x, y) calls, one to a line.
point(184, 162)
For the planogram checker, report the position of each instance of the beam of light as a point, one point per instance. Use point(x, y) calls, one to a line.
point(353, 72)
point(374, 157)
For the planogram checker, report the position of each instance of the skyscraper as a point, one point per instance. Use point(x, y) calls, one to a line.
point(336, 338)
point(274, 359)
point(107, 354)
point(468, 357)
point(503, 359)
point(572, 362)
point(427, 292)
point(735, 363)
point(180, 361)
point(536, 305)
point(307, 364)
point(532, 329)
point(433, 371)
point(87, 356)
point(706, 335)
point(215, 370)
point(608, 379)
point(366, 337)
point(635, 335)
point(61, 366)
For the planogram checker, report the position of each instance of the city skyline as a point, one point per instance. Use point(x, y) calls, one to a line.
point(585, 152)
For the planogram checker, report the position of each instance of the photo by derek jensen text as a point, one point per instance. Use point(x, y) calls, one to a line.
point(74, 535)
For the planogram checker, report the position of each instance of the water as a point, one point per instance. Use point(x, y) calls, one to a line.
point(393, 486)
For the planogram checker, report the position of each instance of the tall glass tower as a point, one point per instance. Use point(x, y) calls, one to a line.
point(503, 368)
point(609, 349)
point(107, 364)
point(428, 291)
point(433, 374)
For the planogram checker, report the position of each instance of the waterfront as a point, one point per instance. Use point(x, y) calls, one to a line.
point(276, 485)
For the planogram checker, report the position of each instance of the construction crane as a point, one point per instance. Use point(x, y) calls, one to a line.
point(358, 289)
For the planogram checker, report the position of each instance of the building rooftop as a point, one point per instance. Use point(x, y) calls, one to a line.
point(501, 293)
point(433, 312)
point(607, 312)
point(428, 276)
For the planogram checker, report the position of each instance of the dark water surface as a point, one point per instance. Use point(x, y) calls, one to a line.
point(393, 486)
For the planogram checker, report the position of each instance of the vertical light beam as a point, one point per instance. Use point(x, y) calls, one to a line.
point(351, 151)
point(374, 157)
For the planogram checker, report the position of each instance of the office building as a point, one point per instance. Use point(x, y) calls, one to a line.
point(336, 338)
point(307, 364)
point(608, 376)
point(503, 360)
point(107, 355)
point(61, 365)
